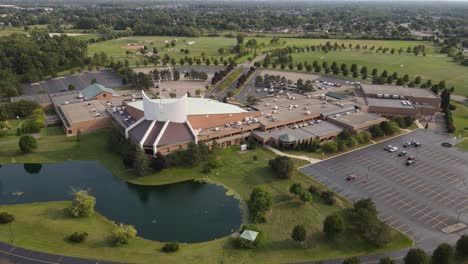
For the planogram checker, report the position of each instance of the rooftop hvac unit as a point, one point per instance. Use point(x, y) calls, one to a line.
point(80, 96)
point(294, 98)
point(119, 108)
point(403, 102)
point(308, 96)
point(307, 113)
point(395, 96)
point(275, 107)
point(319, 121)
point(97, 115)
point(216, 129)
point(121, 112)
point(255, 120)
point(114, 109)
point(337, 115)
point(108, 103)
point(296, 126)
point(88, 103)
point(311, 122)
point(239, 123)
point(246, 118)
point(274, 119)
point(133, 100)
point(306, 108)
point(276, 100)
point(227, 125)
point(277, 96)
point(275, 111)
point(301, 125)
point(93, 110)
point(296, 106)
point(386, 95)
point(347, 113)
point(380, 95)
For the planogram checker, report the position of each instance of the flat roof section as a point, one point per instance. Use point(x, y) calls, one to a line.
point(398, 90)
point(392, 103)
point(294, 106)
point(316, 130)
point(84, 111)
point(357, 118)
point(40, 98)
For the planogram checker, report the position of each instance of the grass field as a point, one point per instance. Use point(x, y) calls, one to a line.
point(44, 227)
point(460, 118)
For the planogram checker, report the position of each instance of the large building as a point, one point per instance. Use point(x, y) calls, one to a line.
point(392, 100)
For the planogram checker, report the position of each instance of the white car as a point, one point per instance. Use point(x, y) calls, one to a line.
point(393, 149)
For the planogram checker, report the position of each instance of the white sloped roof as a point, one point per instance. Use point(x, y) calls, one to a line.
point(198, 106)
point(249, 235)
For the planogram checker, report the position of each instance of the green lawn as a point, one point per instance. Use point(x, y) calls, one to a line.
point(226, 82)
point(43, 227)
point(434, 66)
point(460, 118)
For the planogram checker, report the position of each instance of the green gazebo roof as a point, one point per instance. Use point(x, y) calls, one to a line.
point(287, 138)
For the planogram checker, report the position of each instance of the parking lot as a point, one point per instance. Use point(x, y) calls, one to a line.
point(107, 78)
point(419, 200)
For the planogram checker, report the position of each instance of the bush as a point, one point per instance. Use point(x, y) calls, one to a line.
point(299, 233)
point(78, 237)
point(462, 246)
point(27, 143)
point(416, 256)
point(83, 204)
point(30, 126)
point(353, 260)
point(123, 234)
point(305, 196)
point(296, 188)
point(333, 225)
point(330, 147)
point(328, 197)
point(376, 131)
point(387, 260)
point(443, 254)
point(283, 166)
point(315, 190)
point(170, 247)
point(259, 203)
point(159, 162)
point(6, 218)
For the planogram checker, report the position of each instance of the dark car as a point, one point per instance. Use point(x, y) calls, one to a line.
point(416, 144)
point(407, 144)
point(401, 154)
point(351, 177)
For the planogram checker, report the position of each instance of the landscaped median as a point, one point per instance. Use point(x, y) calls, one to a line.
point(45, 226)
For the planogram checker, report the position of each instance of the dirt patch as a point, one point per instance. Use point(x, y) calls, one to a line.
point(132, 47)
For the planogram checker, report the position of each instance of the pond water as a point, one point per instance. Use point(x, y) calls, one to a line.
point(184, 212)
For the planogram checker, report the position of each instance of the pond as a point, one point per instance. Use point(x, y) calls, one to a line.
point(184, 212)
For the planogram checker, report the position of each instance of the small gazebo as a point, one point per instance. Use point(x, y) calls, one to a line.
point(286, 141)
point(249, 235)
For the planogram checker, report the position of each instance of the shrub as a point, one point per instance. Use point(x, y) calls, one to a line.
point(333, 225)
point(83, 204)
point(328, 197)
point(123, 234)
point(299, 233)
point(160, 162)
point(140, 161)
point(6, 218)
point(259, 203)
point(170, 247)
point(416, 256)
point(315, 190)
point(27, 143)
point(387, 260)
point(78, 237)
point(330, 147)
point(462, 246)
point(296, 188)
point(443, 254)
point(305, 196)
point(353, 260)
point(283, 166)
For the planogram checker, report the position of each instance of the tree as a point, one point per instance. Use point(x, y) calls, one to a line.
point(240, 38)
point(259, 203)
point(123, 234)
point(296, 188)
point(140, 161)
point(27, 143)
point(387, 260)
point(462, 246)
point(82, 204)
point(160, 162)
point(283, 166)
point(299, 233)
point(443, 254)
point(416, 256)
point(333, 225)
point(353, 260)
point(170, 247)
point(330, 147)
point(6, 218)
point(193, 154)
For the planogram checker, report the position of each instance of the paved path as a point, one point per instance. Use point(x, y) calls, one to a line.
point(11, 254)
point(279, 152)
point(12, 141)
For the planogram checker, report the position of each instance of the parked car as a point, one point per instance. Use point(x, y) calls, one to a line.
point(411, 158)
point(393, 149)
point(416, 144)
point(351, 177)
point(388, 147)
point(407, 144)
point(410, 162)
point(403, 153)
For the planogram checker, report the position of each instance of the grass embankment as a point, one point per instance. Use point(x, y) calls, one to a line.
point(230, 79)
point(43, 227)
point(460, 119)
